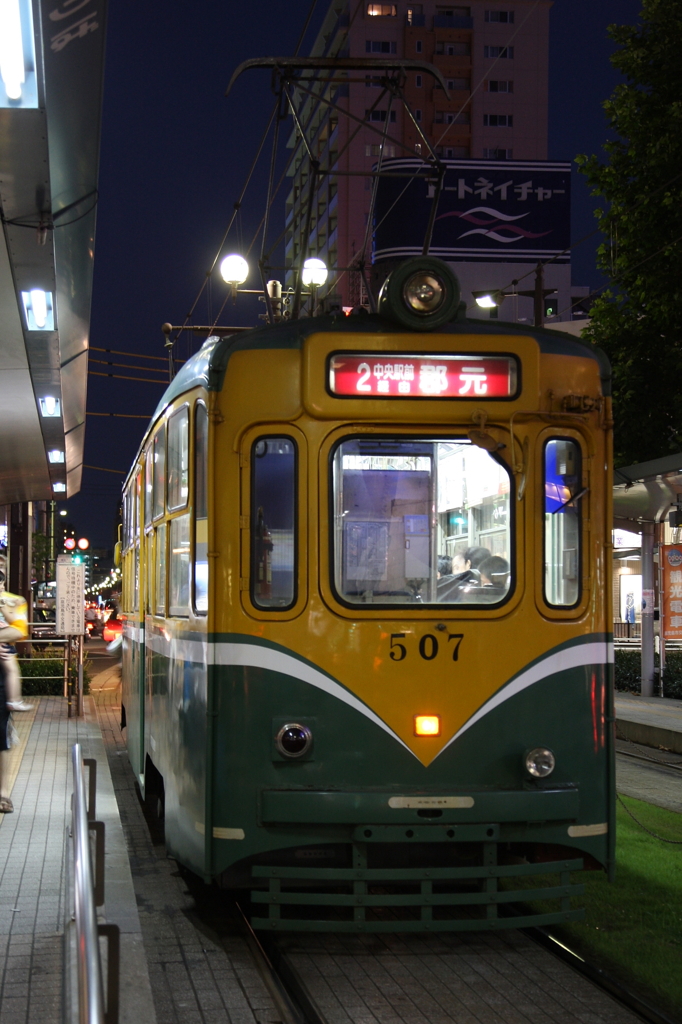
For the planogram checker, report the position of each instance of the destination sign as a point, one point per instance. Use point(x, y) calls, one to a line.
point(379, 375)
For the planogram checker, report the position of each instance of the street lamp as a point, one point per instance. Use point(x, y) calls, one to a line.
point(488, 299)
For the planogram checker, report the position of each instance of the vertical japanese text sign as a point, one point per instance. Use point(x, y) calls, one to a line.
point(70, 598)
point(670, 558)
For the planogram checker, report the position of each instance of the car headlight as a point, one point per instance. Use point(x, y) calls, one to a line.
point(421, 293)
point(540, 762)
point(294, 740)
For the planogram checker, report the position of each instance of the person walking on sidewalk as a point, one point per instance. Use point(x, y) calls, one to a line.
point(13, 626)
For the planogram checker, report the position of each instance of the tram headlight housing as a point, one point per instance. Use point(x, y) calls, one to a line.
point(294, 740)
point(540, 762)
point(422, 293)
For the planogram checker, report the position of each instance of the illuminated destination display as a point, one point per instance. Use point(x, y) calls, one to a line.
point(379, 375)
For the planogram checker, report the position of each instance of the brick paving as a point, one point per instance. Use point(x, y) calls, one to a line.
point(197, 976)
point(503, 978)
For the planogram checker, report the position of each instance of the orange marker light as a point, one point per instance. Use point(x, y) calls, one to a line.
point(427, 725)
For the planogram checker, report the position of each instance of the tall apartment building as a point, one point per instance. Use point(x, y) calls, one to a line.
point(494, 59)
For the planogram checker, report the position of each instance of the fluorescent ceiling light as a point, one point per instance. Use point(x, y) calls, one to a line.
point(38, 307)
point(56, 455)
point(12, 70)
point(59, 487)
point(50, 406)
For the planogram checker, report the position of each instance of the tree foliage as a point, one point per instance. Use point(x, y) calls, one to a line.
point(638, 321)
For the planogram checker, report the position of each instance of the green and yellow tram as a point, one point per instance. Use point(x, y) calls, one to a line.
point(367, 660)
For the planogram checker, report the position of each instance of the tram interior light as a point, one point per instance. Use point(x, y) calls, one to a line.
point(38, 309)
point(427, 725)
point(234, 270)
point(50, 406)
point(314, 272)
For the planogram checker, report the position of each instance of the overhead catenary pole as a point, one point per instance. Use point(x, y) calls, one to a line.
point(647, 670)
point(539, 297)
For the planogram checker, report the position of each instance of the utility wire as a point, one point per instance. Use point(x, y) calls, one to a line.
point(103, 469)
point(120, 415)
point(124, 366)
point(137, 355)
point(119, 376)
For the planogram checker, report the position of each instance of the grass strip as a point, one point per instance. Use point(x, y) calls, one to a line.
point(633, 928)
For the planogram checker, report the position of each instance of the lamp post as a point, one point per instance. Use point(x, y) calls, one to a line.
point(234, 270)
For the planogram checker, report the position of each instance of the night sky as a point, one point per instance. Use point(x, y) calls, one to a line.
point(174, 157)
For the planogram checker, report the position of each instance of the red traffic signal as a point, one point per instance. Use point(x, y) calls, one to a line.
point(69, 543)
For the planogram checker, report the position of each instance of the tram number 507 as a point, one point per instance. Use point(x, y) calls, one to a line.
point(428, 646)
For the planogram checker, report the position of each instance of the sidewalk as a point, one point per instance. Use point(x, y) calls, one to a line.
point(34, 870)
point(654, 721)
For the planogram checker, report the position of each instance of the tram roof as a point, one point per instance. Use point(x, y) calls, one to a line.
point(207, 367)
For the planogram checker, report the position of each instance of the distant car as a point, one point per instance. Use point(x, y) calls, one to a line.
point(112, 629)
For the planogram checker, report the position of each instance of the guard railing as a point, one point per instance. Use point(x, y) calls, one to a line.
point(88, 888)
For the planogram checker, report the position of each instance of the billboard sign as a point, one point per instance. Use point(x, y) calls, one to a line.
point(493, 211)
point(670, 561)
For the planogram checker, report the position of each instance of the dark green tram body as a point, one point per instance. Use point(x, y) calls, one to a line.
point(359, 833)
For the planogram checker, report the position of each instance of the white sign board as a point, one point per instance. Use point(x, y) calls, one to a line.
point(70, 598)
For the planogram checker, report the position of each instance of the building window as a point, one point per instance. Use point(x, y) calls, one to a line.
point(379, 46)
point(444, 49)
point(273, 523)
point(413, 11)
point(504, 17)
point(500, 86)
point(418, 46)
point(375, 150)
point(382, 10)
point(450, 117)
point(497, 154)
point(498, 121)
point(418, 81)
point(380, 115)
point(417, 115)
point(458, 83)
point(372, 81)
point(504, 52)
point(418, 148)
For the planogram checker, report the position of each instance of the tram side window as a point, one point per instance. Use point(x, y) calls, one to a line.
point(420, 521)
point(562, 523)
point(148, 485)
point(201, 509)
point(160, 581)
point(179, 566)
point(273, 523)
point(159, 473)
point(178, 459)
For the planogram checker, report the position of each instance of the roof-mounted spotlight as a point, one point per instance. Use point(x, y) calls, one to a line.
point(314, 272)
point(422, 293)
point(234, 270)
point(488, 299)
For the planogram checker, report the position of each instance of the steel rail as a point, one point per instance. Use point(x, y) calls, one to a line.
point(90, 988)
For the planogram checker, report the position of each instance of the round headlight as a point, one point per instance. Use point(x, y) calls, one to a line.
point(424, 292)
point(540, 762)
point(294, 740)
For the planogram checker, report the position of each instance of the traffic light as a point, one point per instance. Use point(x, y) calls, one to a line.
point(551, 306)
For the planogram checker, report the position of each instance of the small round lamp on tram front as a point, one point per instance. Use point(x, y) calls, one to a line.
point(234, 270)
point(313, 275)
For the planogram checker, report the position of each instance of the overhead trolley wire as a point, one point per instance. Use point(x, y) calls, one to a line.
point(120, 415)
point(120, 376)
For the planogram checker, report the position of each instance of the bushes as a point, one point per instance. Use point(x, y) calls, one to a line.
point(628, 672)
point(43, 674)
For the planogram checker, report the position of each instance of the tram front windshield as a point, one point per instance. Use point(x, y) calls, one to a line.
point(420, 521)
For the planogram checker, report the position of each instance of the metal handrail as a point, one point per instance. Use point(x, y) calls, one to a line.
point(90, 989)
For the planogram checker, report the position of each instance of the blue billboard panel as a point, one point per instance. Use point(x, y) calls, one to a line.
point(489, 211)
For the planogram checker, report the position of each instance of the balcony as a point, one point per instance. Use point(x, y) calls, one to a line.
point(450, 21)
point(415, 21)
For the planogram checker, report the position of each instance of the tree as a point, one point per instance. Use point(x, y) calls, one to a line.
point(638, 321)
